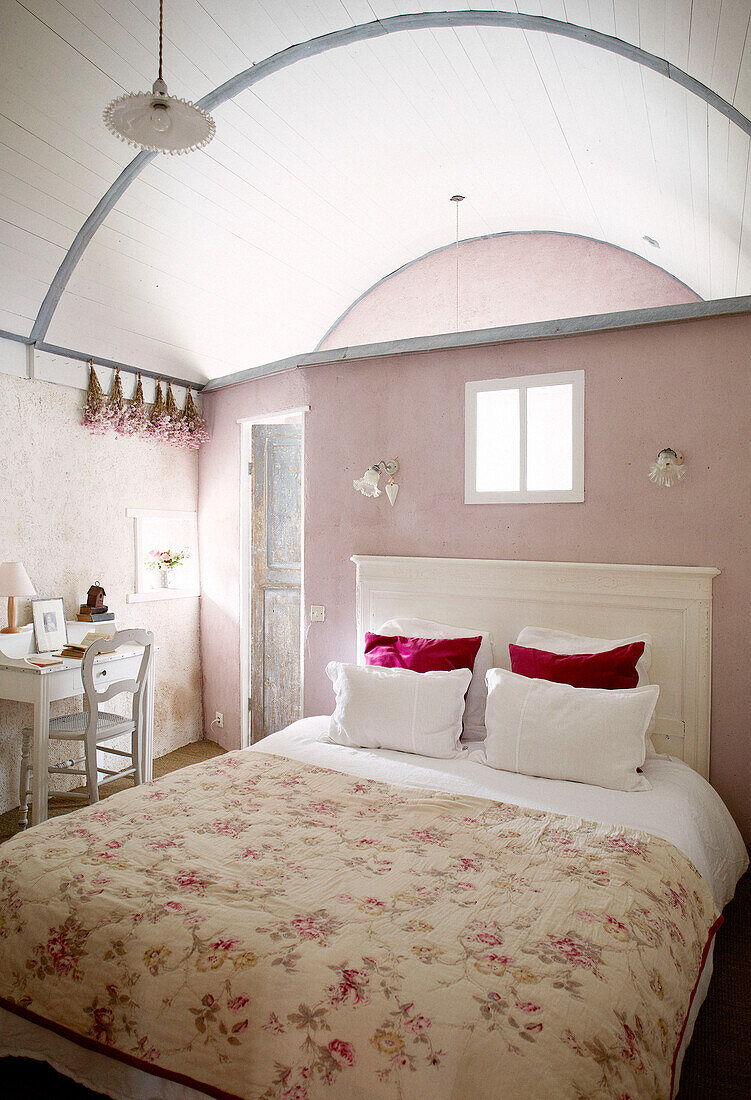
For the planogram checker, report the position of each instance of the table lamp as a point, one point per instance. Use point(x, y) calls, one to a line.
point(14, 581)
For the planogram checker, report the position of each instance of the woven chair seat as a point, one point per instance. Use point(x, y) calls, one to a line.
point(74, 725)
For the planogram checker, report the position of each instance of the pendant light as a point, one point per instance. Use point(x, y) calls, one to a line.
point(157, 121)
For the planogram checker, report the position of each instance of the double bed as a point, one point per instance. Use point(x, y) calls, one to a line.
point(304, 919)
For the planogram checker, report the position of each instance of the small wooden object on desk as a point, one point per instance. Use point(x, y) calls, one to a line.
point(14, 581)
point(95, 609)
point(95, 597)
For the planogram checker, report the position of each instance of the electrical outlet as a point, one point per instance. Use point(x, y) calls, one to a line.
point(317, 613)
point(219, 719)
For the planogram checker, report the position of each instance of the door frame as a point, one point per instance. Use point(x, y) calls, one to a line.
point(245, 423)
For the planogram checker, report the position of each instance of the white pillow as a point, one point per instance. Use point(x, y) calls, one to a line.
point(474, 711)
point(589, 735)
point(559, 641)
point(394, 708)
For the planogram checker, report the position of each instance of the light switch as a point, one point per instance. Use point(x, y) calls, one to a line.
point(317, 613)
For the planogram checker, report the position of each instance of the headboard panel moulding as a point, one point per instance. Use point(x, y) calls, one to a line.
point(691, 582)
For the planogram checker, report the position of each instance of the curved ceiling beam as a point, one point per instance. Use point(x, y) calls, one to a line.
point(347, 37)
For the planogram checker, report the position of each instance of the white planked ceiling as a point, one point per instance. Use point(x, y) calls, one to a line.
point(328, 175)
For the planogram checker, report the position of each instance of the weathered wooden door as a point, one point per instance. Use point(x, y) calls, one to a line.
point(276, 512)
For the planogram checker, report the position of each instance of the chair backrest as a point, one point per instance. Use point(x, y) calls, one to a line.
point(136, 687)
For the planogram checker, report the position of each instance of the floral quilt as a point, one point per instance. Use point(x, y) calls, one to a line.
point(256, 927)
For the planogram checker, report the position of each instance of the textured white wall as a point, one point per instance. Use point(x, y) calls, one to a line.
point(63, 496)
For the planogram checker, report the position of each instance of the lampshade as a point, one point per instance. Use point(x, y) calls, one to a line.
point(159, 122)
point(668, 470)
point(14, 580)
point(368, 483)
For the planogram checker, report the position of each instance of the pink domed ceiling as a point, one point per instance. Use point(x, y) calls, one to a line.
point(508, 279)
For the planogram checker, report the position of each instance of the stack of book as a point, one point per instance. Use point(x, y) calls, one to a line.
point(95, 614)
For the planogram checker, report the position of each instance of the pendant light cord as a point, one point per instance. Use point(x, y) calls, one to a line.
point(161, 34)
point(457, 199)
point(457, 267)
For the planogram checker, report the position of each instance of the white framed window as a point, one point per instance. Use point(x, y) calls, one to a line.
point(164, 537)
point(524, 439)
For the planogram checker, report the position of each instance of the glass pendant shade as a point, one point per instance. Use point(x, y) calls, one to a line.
point(159, 122)
point(368, 483)
point(668, 470)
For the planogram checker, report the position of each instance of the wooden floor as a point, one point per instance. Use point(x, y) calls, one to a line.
point(717, 1064)
point(180, 758)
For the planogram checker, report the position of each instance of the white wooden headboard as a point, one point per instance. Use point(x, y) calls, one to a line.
point(672, 603)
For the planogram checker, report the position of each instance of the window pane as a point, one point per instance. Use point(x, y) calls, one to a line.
point(550, 437)
point(497, 441)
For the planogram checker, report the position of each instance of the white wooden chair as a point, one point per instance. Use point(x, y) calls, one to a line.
point(95, 727)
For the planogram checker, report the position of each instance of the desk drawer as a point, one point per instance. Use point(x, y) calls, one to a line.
point(109, 672)
point(66, 683)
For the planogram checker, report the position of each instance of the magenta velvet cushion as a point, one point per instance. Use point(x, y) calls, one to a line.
point(421, 654)
point(615, 668)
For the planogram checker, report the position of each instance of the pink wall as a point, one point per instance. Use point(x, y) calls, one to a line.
point(684, 384)
point(505, 280)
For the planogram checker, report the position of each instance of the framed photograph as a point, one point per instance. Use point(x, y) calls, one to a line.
point(50, 629)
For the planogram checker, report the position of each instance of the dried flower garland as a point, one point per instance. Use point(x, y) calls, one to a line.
point(135, 418)
point(175, 418)
point(116, 403)
point(194, 426)
point(165, 422)
point(96, 414)
point(159, 421)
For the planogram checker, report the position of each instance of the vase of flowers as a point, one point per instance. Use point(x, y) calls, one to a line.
point(164, 561)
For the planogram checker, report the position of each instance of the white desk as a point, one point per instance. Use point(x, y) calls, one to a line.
point(26, 683)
